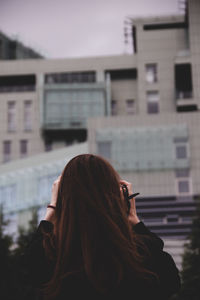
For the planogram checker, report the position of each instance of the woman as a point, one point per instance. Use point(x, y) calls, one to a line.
point(89, 247)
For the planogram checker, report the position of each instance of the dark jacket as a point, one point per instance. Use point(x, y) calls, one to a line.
point(77, 287)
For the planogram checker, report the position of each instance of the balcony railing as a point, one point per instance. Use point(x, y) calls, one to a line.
point(184, 95)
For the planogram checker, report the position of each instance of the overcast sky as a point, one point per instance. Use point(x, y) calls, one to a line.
point(63, 28)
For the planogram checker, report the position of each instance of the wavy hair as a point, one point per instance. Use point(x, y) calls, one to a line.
point(92, 233)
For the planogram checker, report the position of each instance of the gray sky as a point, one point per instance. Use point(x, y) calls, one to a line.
point(63, 28)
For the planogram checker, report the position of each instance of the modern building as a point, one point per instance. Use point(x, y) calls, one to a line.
point(46, 103)
point(157, 146)
point(140, 111)
point(13, 49)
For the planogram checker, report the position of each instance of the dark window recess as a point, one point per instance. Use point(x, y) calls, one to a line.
point(12, 49)
point(48, 145)
point(185, 108)
point(67, 135)
point(72, 77)
point(122, 74)
point(113, 107)
point(183, 81)
point(17, 83)
point(134, 33)
point(162, 26)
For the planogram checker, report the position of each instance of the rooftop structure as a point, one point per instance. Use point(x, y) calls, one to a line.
point(13, 49)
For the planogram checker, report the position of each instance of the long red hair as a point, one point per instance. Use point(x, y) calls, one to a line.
point(92, 233)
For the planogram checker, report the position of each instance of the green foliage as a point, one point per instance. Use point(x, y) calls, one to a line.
point(190, 274)
point(191, 265)
point(26, 235)
point(21, 284)
point(14, 282)
point(5, 260)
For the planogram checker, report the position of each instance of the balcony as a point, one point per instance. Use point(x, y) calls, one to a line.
point(68, 106)
point(185, 101)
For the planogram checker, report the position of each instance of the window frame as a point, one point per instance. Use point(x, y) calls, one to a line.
point(155, 72)
point(150, 101)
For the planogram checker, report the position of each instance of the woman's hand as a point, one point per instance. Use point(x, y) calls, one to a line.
point(54, 191)
point(133, 218)
point(50, 212)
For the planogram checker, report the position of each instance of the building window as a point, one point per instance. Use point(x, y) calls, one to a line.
point(183, 182)
point(27, 115)
point(113, 107)
point(6, 151)
point(11, 116)
point(183, 186)
point(130, 106)
point(181, 151)
point(17, 83)
point(23, 148)
point(104, 149)
point(183, 81)
point(72, 77)
point(183, 173)
point(151, 73)
point(181, 147)
point(152, 102)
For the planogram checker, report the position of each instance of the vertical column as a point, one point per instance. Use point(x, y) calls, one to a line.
point(108, 95)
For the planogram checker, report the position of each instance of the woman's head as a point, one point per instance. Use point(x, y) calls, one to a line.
point(92, 233)
point(89, 182)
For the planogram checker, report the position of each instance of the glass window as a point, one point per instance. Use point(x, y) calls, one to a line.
point(183, 173)
point(23, 148)
point(6, 151)
point(45, 187)
point(27, 115)
point(181, 151)
point(183, 186)
point(8, 196)
point(11, 116)
point(152, 102)
point(114, 107)
point(10, 229)
point(72, 77)
point(104, 149)
point(130, 106)
point(151, 73)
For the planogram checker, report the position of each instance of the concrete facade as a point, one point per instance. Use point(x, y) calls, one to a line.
point(47, 99)
point(157, 148)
